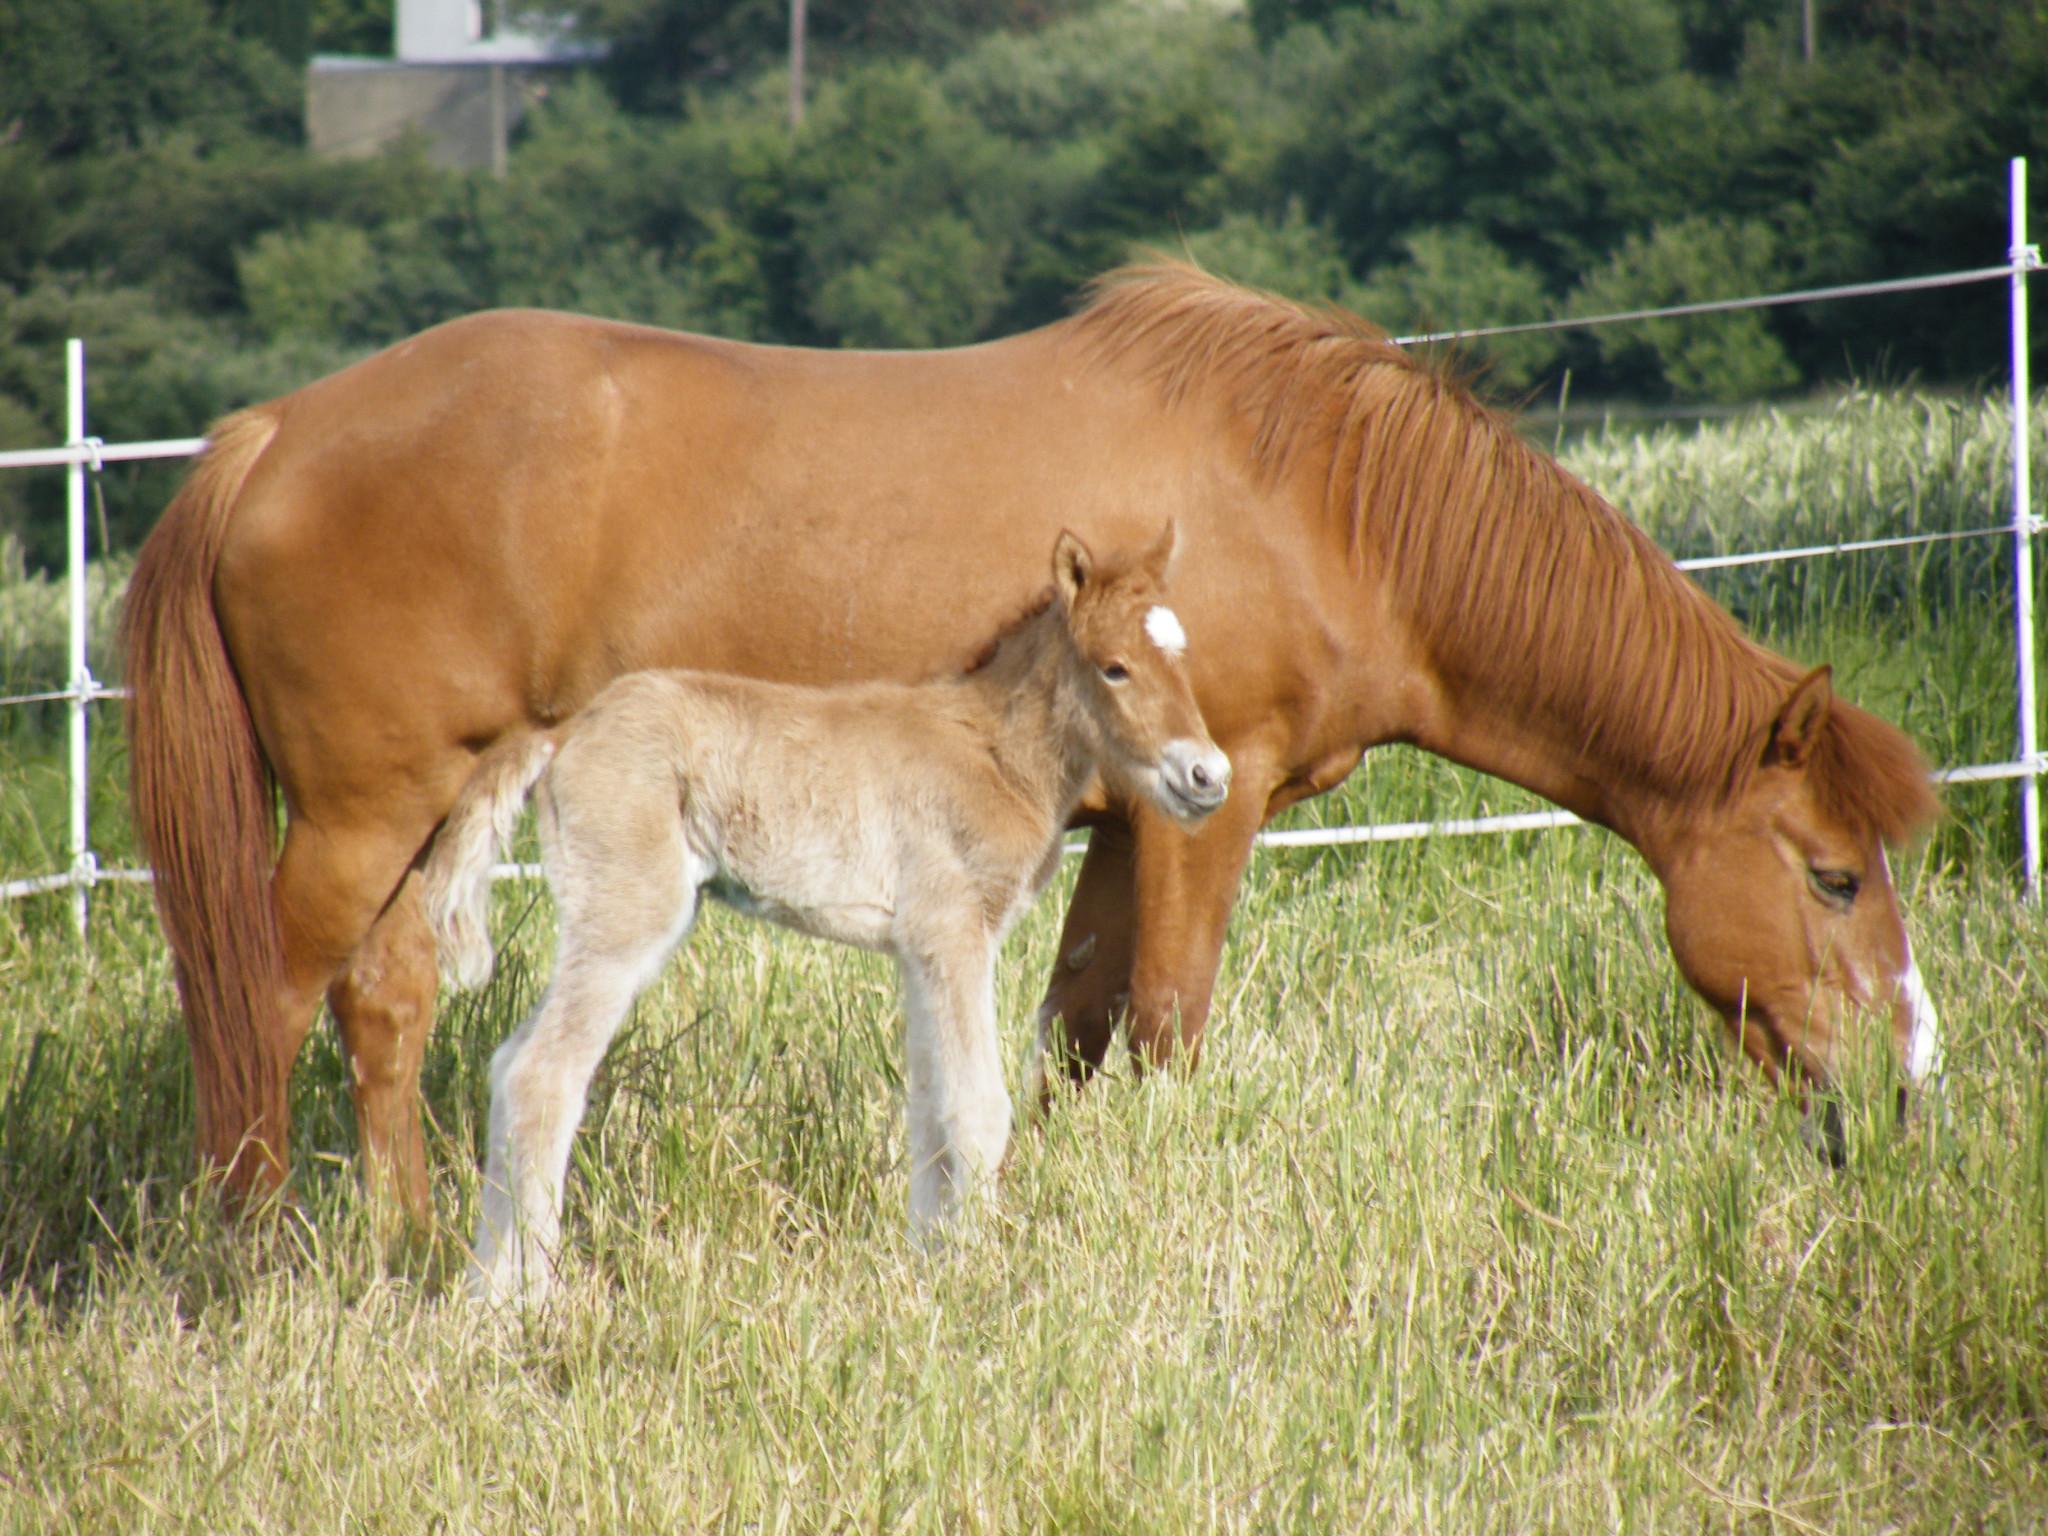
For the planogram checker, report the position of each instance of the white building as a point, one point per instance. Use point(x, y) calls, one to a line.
point(460, 77)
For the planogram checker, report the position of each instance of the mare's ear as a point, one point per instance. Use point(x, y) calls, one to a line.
point(1800, 722)
point(1159, 559)
point(1073, 567)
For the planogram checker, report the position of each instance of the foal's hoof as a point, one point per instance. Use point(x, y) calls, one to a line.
point(513, 1290)
point(955, 1223)
point(936, 1233)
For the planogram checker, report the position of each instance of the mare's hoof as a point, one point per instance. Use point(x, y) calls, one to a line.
point(1822, 1130)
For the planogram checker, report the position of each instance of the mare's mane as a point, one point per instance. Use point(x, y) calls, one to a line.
point(1533, 592)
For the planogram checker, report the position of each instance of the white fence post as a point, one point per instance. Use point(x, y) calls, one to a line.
point(2024, 258)
point(82, 861)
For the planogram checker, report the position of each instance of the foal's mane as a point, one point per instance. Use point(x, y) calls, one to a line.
point(987, 654)
point(1114, 566)
point(1532, 590)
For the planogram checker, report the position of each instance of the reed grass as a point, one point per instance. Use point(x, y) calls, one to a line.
point(1467, 1223)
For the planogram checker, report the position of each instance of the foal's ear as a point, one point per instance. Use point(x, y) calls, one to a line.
point(1073, 567)
point(1158, 561)
point(1801, 721)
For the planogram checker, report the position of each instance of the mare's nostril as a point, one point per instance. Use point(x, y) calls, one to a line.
point(1200, 775)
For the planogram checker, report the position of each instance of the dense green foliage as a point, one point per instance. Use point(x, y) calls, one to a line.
point(1467, 1222)
point(966, 165)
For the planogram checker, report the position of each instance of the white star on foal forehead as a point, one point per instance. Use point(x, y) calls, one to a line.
point(1163, 626)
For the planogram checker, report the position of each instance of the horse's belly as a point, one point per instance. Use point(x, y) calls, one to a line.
point(864, 927)
point(831, 903)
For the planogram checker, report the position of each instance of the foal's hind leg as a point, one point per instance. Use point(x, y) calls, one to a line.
point(383, 1004)
point(621, 912)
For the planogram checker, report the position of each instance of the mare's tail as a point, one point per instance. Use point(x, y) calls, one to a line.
point(205, 811)
point(458, 871)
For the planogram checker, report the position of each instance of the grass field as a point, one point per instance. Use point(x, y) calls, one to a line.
point(1467, 1223)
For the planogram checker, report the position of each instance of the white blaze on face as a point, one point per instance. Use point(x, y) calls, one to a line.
point(1923, 1044)
point(1162, 624)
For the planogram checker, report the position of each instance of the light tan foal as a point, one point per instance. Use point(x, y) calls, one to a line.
point(915, 820)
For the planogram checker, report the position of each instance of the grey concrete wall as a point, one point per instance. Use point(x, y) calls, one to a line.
point(358, 107)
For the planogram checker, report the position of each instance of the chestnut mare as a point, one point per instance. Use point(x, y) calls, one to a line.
point(915, 819)
point(366, 583)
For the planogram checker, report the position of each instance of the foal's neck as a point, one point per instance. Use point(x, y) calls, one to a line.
point(1040, 733)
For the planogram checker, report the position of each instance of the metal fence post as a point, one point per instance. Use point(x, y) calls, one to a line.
point(2024, 258)
point(82, 861)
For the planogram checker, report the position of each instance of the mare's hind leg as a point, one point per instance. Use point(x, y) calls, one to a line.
point(383, 1004)
point(328, 889)
point(622, 908)
point(959, 1111)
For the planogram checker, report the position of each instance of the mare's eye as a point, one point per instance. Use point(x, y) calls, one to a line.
point(1117, 672)
point(1836, 885)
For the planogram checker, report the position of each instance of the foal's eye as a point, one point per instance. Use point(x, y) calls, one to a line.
point(1117, 672)
point(1836, 885)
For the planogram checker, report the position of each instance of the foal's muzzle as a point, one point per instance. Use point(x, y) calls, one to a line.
point(1195, 776)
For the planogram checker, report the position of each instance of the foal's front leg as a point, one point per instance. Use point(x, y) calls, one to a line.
point(959, 1111)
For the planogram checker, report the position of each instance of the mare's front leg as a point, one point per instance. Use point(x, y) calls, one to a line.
point(1091, 976)
point(1145, 934)
point(383, 1004)
point(959, 1110)
point(1186, 885)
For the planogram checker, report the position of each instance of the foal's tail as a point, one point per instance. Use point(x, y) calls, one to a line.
point(458, 871)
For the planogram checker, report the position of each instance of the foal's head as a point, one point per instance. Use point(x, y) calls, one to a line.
point(1130, 646)
point(1780, 906)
